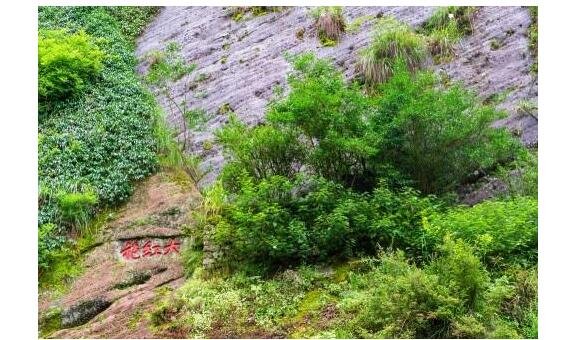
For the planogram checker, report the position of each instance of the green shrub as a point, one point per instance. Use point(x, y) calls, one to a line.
point(331, 118)
point(437, 135)
point(66, 63)
point(452, 297)
point(330, 24)
point(276, 221)
point(391, 41)
point(76, 208)
point(262, 151)
point(501, 230)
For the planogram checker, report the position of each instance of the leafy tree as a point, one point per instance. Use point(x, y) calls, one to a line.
point(437, 136)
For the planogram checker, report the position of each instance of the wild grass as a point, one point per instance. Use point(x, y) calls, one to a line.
point(445, 28)
point(237, 13)
point(392, 40)
point(462, 16)
point(330, 24)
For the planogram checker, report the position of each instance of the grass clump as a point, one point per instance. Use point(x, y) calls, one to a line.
point(461, 16)
point(445, 28)
point(330, 24)
point(391, 41)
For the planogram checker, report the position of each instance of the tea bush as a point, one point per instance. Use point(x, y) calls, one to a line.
point(326, 176)
point(278, 221)
point(103, 139)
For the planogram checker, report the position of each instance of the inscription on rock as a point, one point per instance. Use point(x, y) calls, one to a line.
point(146, 248)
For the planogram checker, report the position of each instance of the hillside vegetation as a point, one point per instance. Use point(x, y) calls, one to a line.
point(338, 216)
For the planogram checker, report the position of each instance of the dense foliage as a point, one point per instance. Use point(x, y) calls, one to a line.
point(412, 130)
point(335, 217)
point(279, 222)
point(92, 147)
point(502, 231)
point(66, 63)
point(327, 175)
point(452, 296)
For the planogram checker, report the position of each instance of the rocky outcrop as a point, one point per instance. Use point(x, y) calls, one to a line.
point(137, 252)
point(240, 63)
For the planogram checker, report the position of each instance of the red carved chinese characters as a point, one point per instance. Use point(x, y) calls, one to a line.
point(172, 246)
point(150, 249)
point(131, 249)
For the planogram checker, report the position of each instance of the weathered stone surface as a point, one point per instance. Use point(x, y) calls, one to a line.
point(82, 312)
point(504, 70)
point(117, 290)
point(254, 49)
point(254, 64)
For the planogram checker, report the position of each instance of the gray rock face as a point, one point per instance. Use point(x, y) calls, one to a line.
point(83, 312)
point(505, 70)
point(241, 62)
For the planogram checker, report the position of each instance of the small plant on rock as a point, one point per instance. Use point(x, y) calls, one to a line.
point(445, 28)
point(330, 24)
point(392, 40)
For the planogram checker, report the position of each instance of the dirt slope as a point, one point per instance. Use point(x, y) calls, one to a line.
point(244, 60)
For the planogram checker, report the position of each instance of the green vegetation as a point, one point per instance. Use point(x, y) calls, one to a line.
point(237, 13)
point(336, 217)
point(391, 41)
point(355, 25)
point(166, 67)
point(502, 231)
point(460, 16)
point(445, 28)
point(133, 19)
point(533, 37)
point(93, 145)
point(384, 297)
point(361, 153)
point(330, 24)
point(495, 44)
point(326, 182)
point(66, 64)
